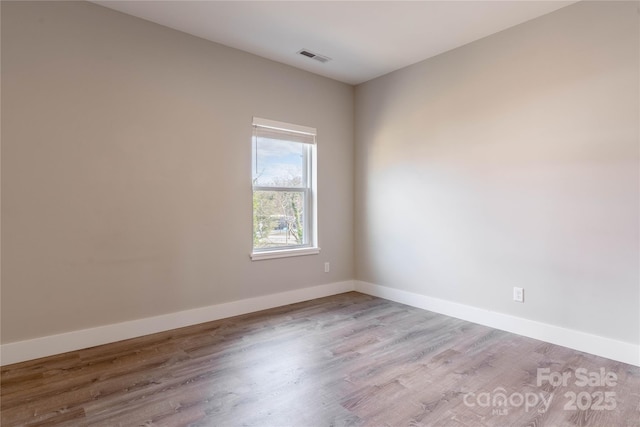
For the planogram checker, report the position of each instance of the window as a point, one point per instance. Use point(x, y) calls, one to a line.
point(284, 193)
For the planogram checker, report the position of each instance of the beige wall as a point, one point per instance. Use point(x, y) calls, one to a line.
point(126, 185)
point(512, 161)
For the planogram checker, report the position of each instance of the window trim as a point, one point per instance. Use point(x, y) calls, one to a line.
point(310, 247)
point(284, 253)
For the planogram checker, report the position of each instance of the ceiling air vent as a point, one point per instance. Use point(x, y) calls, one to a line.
point(314, 56)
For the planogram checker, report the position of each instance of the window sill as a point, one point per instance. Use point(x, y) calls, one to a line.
point(285, 253)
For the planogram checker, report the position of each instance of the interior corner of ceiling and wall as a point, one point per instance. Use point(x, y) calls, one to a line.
point(364, 39)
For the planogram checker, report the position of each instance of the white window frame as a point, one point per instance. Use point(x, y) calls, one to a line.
point(310, 209)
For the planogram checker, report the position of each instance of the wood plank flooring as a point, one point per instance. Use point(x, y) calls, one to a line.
point(345, 360)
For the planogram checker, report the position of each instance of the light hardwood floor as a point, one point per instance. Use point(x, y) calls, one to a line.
point(346, 360)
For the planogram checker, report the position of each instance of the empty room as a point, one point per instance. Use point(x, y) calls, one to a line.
point(320, 213)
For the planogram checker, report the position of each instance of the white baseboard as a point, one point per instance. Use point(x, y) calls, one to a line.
point(75, 340)
point(581, 341)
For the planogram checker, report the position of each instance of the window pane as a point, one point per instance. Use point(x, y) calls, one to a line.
point(278, 219)
point(278, 163)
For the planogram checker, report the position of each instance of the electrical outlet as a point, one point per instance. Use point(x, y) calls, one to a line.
point(327, 267)
point(518, 294)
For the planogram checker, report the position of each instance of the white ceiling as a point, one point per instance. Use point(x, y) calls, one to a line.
point(364, 39)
